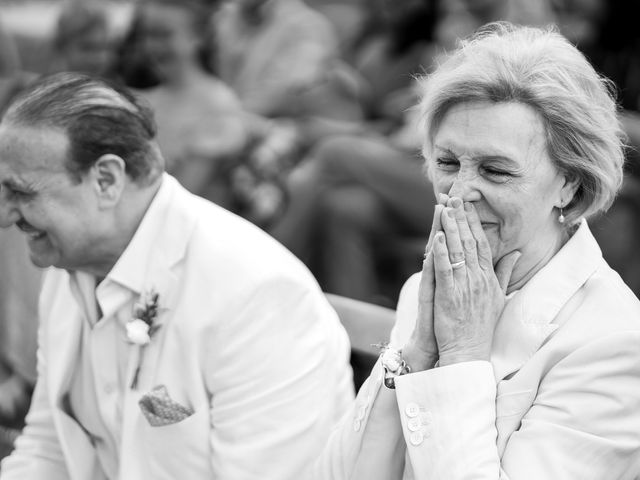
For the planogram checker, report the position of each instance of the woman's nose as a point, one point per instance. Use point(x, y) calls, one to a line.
point(464, 186)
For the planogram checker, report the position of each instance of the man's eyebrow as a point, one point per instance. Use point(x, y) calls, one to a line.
point(13, 183)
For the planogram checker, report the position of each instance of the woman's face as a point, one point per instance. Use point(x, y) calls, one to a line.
point(494, 155)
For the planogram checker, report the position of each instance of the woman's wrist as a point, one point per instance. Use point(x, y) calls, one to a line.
point(417, 358)
point(451, 358)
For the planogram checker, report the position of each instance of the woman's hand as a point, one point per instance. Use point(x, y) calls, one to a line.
point(421, 351)
point(469, 295)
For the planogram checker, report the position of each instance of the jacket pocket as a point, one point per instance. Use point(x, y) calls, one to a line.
point(181, 449)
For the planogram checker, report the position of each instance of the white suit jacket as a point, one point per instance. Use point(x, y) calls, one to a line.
point(559, 400)
point(248, 342)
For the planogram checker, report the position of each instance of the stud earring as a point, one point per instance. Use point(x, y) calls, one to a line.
point(561, 216)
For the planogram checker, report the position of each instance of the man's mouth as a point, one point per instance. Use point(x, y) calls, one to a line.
point(30, 232)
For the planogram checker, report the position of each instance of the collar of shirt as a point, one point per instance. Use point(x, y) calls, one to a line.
point(129, 276)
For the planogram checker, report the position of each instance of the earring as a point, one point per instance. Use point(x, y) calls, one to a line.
point(561, 216)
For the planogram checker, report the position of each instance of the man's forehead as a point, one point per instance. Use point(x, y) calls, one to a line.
point(32, 148)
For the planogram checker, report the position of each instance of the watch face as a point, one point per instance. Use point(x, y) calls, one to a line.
point(390, 382)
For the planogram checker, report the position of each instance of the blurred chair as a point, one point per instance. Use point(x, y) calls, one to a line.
point(366, 324)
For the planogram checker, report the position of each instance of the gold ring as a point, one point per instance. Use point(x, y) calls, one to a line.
point(459, 264)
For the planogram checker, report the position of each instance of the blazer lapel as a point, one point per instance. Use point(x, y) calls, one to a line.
point(63, 339)
point(531, 315)
point(167, 251)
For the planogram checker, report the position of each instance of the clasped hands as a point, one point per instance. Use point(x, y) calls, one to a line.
point(461, 294)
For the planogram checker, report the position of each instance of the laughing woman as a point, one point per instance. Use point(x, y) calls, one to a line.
point(516, 350)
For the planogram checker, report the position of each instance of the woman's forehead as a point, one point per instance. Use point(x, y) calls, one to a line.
point(483, 128)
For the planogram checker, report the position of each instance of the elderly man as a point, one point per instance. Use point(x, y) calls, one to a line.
point(176, 340)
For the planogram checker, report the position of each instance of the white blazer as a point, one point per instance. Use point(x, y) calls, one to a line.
point(559, 400)
point(248, 342)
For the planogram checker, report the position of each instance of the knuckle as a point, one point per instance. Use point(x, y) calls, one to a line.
point(456, 256)
point(469, 244)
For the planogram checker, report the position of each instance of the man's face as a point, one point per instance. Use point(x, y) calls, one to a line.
point(90, 53)
point(58, 215)
point(169, 37)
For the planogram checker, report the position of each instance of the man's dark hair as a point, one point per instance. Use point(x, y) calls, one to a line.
point(98, 116)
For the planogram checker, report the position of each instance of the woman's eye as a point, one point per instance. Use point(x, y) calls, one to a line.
point(495, 172)
point(447, 163)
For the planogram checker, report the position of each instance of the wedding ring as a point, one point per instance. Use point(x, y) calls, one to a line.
point(458, 264)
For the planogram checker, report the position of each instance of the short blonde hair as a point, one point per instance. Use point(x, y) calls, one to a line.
point(539, 68)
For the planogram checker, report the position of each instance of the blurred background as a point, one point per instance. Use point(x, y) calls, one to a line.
point(297, 116)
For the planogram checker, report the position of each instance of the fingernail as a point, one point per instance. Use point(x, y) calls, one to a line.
point(468, 206)
point(456, 203)
point(451, 212)
point(442, 198)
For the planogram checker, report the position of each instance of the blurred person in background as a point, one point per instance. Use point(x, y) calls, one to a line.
point(202, 128)
point(360, 192)
point(9, 57)
point(82, 40)
point(352, 202)
point(272, 52)
point(396, 43)
point(281, 58)
point(461, 18)
point(515, 350)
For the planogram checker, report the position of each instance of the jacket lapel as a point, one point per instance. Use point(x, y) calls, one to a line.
point(531, 315)
point(168, 249)
point(64, 337)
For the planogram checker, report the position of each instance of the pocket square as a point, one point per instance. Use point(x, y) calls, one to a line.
point(159, 409)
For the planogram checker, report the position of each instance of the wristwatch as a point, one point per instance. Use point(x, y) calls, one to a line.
point(394, 365)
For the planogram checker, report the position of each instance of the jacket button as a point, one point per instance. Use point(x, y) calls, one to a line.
point(412, 409)
point(416, 438)
point(414, 424)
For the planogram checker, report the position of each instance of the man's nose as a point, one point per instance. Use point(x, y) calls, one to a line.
point(8, 213)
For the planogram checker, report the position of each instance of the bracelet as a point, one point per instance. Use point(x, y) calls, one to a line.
point(394, 365)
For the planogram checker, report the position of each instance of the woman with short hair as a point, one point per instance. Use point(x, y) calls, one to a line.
point(516, 350)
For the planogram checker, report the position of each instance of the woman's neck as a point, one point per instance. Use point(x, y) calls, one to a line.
point(531, 262)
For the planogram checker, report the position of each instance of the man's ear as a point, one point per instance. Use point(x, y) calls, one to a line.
point(108, 176)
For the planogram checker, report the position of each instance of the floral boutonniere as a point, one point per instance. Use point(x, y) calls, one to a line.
point(142, 326)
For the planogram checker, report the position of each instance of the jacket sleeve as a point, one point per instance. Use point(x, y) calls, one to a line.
point(279, 376)
point(584, 422)
point(37, 452)
point(368, 444)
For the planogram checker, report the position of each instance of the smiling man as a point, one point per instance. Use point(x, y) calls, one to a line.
point(177, 340)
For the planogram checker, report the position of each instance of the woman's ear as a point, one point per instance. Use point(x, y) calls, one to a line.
point(109, 177)
point(567, 192)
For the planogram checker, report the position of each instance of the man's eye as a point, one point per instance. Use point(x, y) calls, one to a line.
point(15, 193)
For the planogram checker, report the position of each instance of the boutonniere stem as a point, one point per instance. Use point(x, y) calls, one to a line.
point(142, 326)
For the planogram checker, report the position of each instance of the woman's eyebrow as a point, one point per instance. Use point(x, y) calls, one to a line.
point(481, 156)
